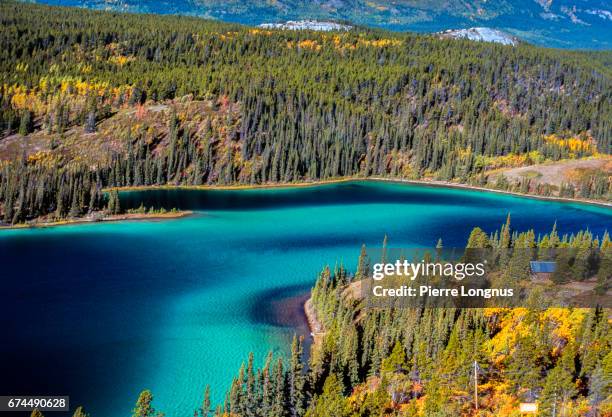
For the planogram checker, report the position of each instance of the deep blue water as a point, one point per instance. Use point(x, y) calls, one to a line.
point(102, 311)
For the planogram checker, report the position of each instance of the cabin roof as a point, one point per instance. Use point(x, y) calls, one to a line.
point(538, 267)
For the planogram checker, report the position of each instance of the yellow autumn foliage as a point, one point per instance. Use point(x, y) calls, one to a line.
point(341, 42)
point(260, 32)
point(565, 322)
point(45, 158)
point(464, 153)
point(583, 143)
point(228, 35)
point(305, 44)
point(510, 160)
point(380, 43)
point(121, 60)
point(85, 68)
point(562, 323)
point(52, 90)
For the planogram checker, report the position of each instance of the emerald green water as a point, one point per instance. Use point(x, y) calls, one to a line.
point(102, 311)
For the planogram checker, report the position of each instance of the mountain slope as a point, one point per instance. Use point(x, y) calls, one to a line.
point(481, 35)
point(556, 23)
point(96, 99)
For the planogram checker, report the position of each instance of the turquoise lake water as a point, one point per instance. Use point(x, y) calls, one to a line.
point(102, 311)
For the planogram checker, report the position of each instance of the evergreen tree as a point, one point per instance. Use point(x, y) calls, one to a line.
point(80, 412)
point(278, 402)
point(396, 361)
point(26, 124)
point(114, 206)
point(558, 390)
point(206, 404)
point(90, 123)
point(144, 407)
point(600, 382)
point(330, 402)
point(478, 239)
point(524, 368)
point(296, 380)
point(363, 264)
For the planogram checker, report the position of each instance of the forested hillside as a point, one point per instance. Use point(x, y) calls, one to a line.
point(576, 24)
point(416, 362)
point(92, 100)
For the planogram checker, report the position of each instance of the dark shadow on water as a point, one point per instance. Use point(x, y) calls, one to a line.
point(322, 195)
point(284, 307)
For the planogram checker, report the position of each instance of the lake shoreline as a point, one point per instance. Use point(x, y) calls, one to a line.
point(316, 327)
point(305, 184)
point(302, 319)
point(285, 307)
point(113, 218)
point(295, 311)
point(237, 187)
point(448, 184)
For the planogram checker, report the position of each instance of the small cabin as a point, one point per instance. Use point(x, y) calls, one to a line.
point(542, 271)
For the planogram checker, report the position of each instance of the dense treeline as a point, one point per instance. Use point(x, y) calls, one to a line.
point(32, 191)
point(312, 105)
point(421, 362)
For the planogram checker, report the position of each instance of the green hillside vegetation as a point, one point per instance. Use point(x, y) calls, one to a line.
point(90, 100)
point(420, 361)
